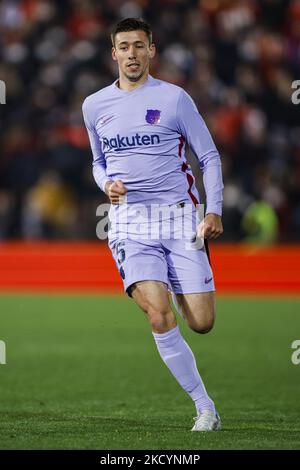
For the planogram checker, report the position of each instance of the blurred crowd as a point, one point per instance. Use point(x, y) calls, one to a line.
point(237, 59)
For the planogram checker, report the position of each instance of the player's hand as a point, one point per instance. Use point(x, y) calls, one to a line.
point(116, 191)
point(211, 227)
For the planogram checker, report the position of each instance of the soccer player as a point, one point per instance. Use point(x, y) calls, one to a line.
point(138, 127)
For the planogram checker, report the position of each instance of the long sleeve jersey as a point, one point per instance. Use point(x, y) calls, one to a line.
point(140, 137)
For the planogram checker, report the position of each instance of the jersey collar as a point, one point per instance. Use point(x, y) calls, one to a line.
point(147, 82)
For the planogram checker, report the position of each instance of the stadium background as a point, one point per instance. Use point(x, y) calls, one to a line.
point(238, 60)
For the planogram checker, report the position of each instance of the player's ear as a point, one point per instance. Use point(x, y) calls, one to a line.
point(113, 53)
point(152, 49)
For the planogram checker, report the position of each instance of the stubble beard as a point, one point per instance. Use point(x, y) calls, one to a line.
point(133, 78)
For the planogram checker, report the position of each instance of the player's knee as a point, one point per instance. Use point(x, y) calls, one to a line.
point(161, 320)
point(203, 328)
point(203, 325)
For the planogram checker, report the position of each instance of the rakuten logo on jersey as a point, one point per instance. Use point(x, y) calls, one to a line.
point(119, 143)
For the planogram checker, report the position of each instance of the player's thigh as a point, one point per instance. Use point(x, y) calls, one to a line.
point(199, 310)
point(151, 296)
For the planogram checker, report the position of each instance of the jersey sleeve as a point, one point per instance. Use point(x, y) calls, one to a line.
point(193, 128)
point(99, 164)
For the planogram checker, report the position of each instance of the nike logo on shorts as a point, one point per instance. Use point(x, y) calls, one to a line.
point(207, 280)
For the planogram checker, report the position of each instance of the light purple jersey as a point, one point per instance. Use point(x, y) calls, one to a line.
point(139, 137)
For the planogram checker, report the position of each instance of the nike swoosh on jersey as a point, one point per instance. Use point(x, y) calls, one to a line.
point(104, 120)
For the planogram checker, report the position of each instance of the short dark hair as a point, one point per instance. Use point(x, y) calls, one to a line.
point(131, 24)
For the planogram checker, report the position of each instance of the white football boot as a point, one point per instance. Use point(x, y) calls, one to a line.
point(207, 421)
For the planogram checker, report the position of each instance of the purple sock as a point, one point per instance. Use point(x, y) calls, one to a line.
point(179, 358)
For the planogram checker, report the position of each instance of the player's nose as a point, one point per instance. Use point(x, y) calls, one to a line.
point(132, 53)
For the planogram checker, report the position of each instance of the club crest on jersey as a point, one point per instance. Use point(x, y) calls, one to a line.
point(153, 116)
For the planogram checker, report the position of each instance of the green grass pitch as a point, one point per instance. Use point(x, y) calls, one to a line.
point(83, 372)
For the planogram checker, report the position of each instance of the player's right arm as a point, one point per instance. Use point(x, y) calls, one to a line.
point(115, 190)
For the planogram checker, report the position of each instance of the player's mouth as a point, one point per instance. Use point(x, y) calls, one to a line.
point(133, 66)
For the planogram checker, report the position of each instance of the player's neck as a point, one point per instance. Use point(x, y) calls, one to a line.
point(126, 85)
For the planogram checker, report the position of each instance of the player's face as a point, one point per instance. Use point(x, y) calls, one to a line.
point(133, 52)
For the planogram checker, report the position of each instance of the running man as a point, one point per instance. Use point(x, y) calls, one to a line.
point(138, 128)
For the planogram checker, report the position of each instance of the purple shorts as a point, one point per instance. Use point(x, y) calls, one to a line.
point(185, 271)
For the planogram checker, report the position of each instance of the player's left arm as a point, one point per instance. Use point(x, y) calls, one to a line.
point(211, 226)
point(193, 128)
